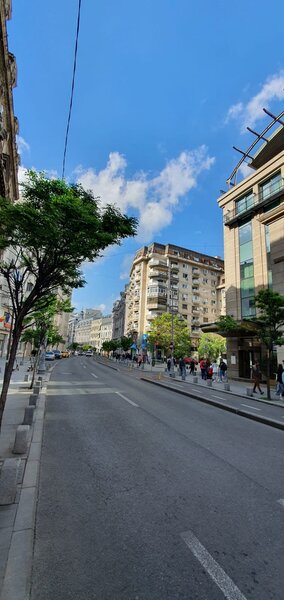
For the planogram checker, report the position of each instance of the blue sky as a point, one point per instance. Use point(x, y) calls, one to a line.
point(164, 89)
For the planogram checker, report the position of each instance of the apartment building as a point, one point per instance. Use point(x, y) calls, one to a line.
point(253, 213)
point(101, 331)
point(78, 332)
point(118, 316)
point(9, 158)
point(168, 278)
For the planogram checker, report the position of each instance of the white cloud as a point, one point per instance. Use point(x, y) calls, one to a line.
point(101, 307)
point(155, 199)
point(23, 146)
point(125, 266)
point(251, 112)
point(245, 170)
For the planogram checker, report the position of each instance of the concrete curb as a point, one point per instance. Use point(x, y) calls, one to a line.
point(105, 365)
point(17, 578)
point(232, 409)
point(244, 396)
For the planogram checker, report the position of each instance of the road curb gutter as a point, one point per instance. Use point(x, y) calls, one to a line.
point(105, 365)
point(17, 579)
point(232, 409)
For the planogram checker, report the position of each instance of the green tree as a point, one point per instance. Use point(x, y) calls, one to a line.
point(74, 346)
point(125, 343)
point(110, 345)
point(51, 231)
point(211, 345)
point(160, 334)
point(270, 325)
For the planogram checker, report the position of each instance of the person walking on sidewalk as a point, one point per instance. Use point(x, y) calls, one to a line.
point(256, 375)
point(279, 382)
point(223, 370)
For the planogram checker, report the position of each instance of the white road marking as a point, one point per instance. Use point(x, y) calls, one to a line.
point(224, 582)
point(84, 366)
point(127, 399)
point(281, 501)
point(249, 406)
point(219, 397)
point(94, 375)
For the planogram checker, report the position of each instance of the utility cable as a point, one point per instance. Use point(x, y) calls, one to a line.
point(72, 88)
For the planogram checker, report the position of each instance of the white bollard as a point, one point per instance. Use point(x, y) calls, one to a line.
point(8, 481)
point(249, 392)
point(209, 382)
point(226, 387)
point(21, 439)
point(33, 399)
point(29, 415)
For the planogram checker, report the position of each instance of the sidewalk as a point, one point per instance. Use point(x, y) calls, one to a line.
point(17, 518)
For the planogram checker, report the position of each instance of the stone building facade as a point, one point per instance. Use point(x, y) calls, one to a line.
point(9, 158)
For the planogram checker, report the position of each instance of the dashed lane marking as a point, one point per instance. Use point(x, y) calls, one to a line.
point(127, 399)
point(281, 502)
point(94, 375)
point(214, 570)
point(249, 406)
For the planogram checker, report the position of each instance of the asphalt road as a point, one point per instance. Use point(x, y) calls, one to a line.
point(146, 494)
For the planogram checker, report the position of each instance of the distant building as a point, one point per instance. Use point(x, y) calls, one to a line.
point(118, 316)
point(79, 325)
point(101, 331)
point(253, 213)
point(169, 278)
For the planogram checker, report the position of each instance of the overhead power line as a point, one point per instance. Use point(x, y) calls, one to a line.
point(72, 88)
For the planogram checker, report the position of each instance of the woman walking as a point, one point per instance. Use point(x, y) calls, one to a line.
point(256, 375)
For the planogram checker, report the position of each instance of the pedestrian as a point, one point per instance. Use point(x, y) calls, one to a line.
point(192, 367)
point(169, 364)
point(181, 365)
point(203, 368)
point(139, 360)
point(209, 371)
point(279, 384)
point(215, 371)
point(223, 370)
point(256, 375)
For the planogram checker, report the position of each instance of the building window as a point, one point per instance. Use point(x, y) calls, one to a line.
point(185, 275)
point(244, 203)
point(270, 186)
point(246, 271)
point(184, 306)
point(185, 286)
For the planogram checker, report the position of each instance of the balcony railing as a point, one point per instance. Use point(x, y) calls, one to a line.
point(264, 197)
point(162, 274)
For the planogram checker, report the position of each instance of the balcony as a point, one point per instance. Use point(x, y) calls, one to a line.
point(159, 274)
point(160, 264)
point(174, 268)
point(260, 200)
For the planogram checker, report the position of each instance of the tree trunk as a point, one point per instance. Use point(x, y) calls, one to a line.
point(34, 369)
point(268, 374)
point(9, 366)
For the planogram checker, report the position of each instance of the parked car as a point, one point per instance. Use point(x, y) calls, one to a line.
point(57, 354)
point(65, 354)
point(80, 353)
point(89, 353)
point(49, 356)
